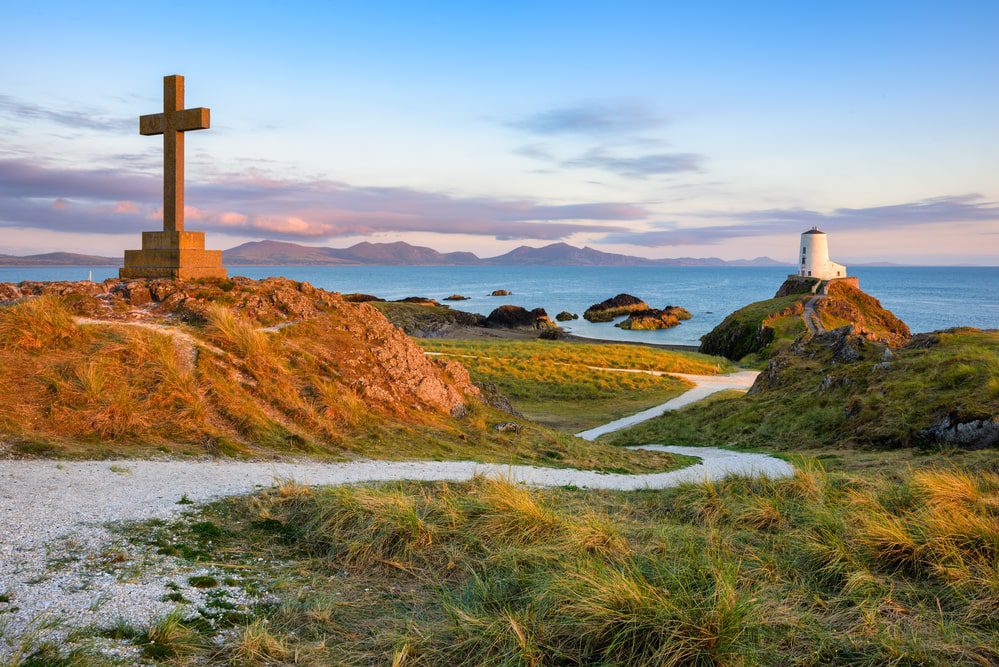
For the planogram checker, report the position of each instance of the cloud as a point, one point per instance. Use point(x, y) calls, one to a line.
point(111, 201)
point(641, 166)
point(590, 119)
point(955, 209)
point(11, 107)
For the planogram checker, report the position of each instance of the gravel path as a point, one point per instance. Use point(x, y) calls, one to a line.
point(55, 544)
point(704, 385)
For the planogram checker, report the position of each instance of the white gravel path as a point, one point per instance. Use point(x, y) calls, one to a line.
point(58, 511)
point(705, 385)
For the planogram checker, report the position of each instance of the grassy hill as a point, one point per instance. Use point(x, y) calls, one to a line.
point(185, 375)
point(846, 391)
point(756, 332)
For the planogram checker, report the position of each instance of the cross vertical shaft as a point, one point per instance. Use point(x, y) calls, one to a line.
point(173, 155)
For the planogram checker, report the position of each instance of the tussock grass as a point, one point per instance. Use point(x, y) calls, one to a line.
point(39, 324)
point(888, 565)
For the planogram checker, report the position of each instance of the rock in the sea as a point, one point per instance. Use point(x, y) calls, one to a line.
point(457, 297)
point(501, 292)
point(654, 318)
point(607, 310)
point(361, 298)
point(419, 301)
point(565, 316)
point(515, 317)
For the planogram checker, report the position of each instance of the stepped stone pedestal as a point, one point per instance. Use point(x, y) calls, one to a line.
point(176, 254)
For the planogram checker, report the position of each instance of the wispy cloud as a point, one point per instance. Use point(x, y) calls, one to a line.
point(640, 166)
point(13, 108)
point(104, 200)
point(956, 209)
point(591, 119)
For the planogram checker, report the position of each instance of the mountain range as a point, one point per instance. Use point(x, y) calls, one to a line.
point(277, 253)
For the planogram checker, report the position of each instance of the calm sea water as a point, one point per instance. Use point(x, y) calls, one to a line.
point(926, 298)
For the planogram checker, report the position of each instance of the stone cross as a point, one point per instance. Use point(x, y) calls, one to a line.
point(173, 252)
point(172, 124)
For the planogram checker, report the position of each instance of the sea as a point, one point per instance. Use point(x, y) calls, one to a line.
point(926, 298)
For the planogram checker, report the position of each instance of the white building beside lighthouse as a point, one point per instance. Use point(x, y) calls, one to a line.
point(814, 257)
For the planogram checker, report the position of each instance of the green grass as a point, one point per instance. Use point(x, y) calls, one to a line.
point(554, 383)
point(858, 405)
point(887, 560)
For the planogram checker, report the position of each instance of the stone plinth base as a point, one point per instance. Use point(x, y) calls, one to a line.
point(173, 255)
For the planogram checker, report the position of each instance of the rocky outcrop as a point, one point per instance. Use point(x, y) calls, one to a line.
point(607, 310)
point(566, 316)
point(457, 297)
point(654, 318)
point(361, 298)
point(960, 432)
point(552, 333)
point(501, 292)
point(515, 317)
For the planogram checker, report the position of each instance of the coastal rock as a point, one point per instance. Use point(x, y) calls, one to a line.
point(965, 433)
point(566, 316)
point(654, 318)
point(796, 285)
point(516, 317)
point(9, 292)
point(552, 333)
point(869, 318)
point(607, 310)
point(419, 300)
point(501, 292)
point(361, 298)
point(457, 297)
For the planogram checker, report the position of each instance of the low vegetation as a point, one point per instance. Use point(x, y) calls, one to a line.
point(923, 392)
point(869, 562)
point(341, 384)
point(559, 384)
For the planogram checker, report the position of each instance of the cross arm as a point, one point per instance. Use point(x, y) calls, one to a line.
point(198, 118)
point(152, 124)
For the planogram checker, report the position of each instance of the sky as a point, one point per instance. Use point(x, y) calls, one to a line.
point(710, 129)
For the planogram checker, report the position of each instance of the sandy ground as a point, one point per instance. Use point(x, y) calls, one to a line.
point(55, 540)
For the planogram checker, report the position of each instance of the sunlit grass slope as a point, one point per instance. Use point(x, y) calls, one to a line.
point(895, 565)
point(558, 384)
point(820, 403)
point(328, 387)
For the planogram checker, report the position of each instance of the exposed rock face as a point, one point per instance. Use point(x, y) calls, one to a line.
point(429, 321)
point(553, 333)
point(966, 433)
point(515, 317)
point(501, 292)
point(654, 318)
point(566, 316)
point(607, 310)
point(9, 292)
point(457, 297)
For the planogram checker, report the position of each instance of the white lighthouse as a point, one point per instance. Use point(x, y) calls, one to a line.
point(815, 262)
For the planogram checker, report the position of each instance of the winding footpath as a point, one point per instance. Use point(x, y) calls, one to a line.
point(59, 512)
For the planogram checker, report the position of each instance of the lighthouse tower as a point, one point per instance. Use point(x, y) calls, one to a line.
point(815, 262)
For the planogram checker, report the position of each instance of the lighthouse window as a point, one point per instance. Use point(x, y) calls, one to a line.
point(802, 251)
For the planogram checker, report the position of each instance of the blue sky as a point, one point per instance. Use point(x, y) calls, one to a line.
point(711, 129)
